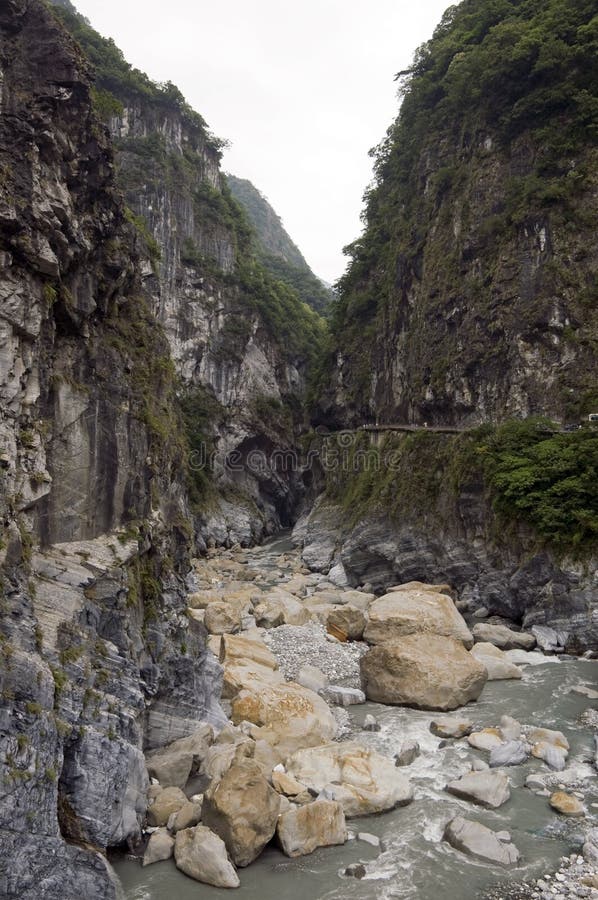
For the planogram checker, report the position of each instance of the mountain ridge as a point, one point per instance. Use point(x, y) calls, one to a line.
point(278, 251)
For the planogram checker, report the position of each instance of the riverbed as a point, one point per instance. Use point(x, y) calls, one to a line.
point(413, 861)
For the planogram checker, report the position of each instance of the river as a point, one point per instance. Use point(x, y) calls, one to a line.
point(414, 862)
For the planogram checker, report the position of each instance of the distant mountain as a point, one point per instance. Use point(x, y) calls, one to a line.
point(66, 4)
point(279, 253)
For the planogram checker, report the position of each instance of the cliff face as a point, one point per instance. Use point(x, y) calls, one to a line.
point(471, 298)
point(477, 511)
point(221, 344)
point(241, 340)
point(94, 648)
point(475, 279)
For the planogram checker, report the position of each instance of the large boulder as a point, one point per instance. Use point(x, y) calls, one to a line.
point(247, 663)
point(567, 804)
point(406, 612)
point(548, 736)
point(337, 695)
point(502, 637)
point(320, 824)
point(422, 670)
point(407, 753)
point(348, 619)
point(246, 648)
point(280, 608)
point(548, 745)
point(226, 616)
point(242, 808)
point(362, 780)
point(285, 784)
point(477, 840)
point(486, 739)
point(489, 789)
point(188, 815)
point(201, 854)
point(555, 757)
point(289, 716)
point(497, 664)
point(532, 658)
point(421, 586)
point(221, 756)
point(550, 640)
point(202, 599)
point(173, 765)
point(159, 847)
point(451, 727)
point(511, 753)
point(359, 599)
point(167, 802)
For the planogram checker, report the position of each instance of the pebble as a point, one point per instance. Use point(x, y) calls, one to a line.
point(356, 870)
point(296, 646)
point(370, 723)
point(368, 838)
point(570, 880)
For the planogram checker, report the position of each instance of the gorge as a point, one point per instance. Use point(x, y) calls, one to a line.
point(177, 387)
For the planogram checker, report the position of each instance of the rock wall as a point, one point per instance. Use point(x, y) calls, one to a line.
point(469, 300)
point(97, 658)
point(469, 297)
point(508, 577)
point(218, 342)
point(169, 170)
point(423, 506)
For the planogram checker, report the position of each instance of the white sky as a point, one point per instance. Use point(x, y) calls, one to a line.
point(301, 90)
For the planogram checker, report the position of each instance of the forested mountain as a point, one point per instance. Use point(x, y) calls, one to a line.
point(471, 295)
point(278, 252)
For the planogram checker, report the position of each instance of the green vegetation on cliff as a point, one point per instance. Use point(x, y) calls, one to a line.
point(278, 252)
point(148, 162)
point(477, 251)
point(548, 479)
point(115, 78)
point(530, 472)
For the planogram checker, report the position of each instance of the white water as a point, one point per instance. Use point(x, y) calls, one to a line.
point(415, 862)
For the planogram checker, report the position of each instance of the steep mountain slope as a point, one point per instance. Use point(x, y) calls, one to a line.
point(97, 658)
point(472, 297)
point(241, 340)
point(475, 280)
point(279, 254)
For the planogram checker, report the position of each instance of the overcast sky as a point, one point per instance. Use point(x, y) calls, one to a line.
point(302, 91)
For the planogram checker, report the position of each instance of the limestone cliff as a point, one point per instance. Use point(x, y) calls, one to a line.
point(240, 339)
point(95, 649)
point(440, 508)
point(471, 295)
point(470, 299)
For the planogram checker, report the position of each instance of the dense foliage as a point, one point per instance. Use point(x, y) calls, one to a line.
point(547, 478)
point(530, 471)
point(297, 327)
point(308, 286)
